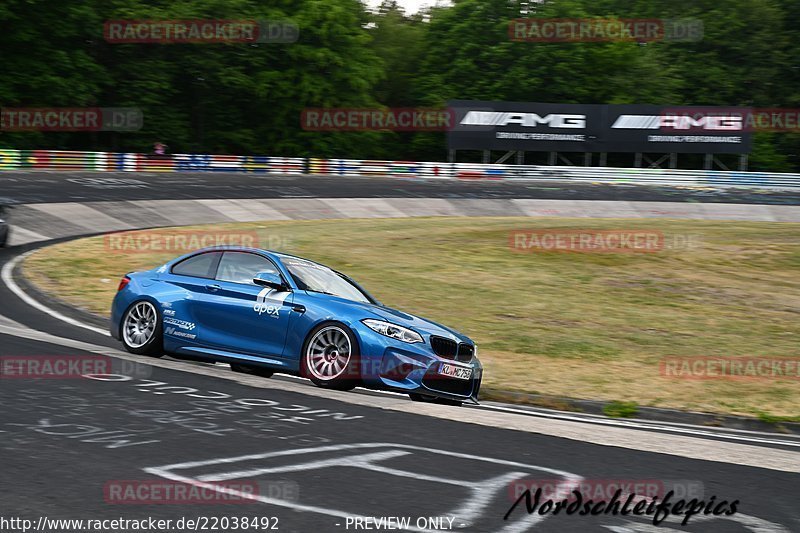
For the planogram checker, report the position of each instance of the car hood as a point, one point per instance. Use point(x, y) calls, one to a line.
point(419, 324)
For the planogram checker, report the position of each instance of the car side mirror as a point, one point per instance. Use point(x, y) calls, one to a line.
point(270, 279)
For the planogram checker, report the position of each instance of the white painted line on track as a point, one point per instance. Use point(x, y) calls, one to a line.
point(8, 279)
point(644, 425)
point(693, 447)
point(687, 429)
point(468, 512)
point(589, 417)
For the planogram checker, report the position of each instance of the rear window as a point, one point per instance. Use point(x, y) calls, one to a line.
point(198, 266)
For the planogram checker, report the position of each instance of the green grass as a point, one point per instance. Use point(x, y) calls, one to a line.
point(617, 409)
point(576, 325)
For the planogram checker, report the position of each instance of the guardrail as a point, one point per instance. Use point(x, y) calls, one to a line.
point(131, 162)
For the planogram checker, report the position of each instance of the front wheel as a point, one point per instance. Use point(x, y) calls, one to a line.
point(142, 330)
point(331, 357)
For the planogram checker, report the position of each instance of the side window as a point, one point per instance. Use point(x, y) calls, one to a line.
point(198, 266)
point(241, 267)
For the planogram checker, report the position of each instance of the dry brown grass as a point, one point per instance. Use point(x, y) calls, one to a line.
point(564, 324)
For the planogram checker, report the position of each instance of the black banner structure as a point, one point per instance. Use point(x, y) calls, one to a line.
point(538, 127)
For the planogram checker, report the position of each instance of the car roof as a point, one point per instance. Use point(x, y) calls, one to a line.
point(269, 253)
point(279, 256)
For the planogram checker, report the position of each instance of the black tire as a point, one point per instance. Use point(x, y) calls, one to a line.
point(350, 375)
point(154, 345)
point(425, 398)
point(252, 370)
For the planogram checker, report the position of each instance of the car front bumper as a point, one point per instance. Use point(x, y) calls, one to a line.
point(415, 368)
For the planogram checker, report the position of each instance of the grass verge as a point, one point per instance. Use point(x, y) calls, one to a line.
point(581, 325)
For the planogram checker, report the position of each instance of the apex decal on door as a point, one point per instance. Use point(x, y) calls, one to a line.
point(269, 301)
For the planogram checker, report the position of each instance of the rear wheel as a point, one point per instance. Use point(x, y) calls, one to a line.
point(142, 330)
point(331, 357)
point(253, 370)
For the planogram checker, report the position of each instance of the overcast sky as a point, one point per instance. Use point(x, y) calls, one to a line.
point(411, 6)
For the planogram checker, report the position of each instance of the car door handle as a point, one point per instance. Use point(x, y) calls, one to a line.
point(299, 308)
point(213, 288)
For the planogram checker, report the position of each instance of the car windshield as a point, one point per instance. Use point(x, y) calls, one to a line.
point(314, 277)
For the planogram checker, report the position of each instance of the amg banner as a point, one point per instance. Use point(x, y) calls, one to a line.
point(538, 127)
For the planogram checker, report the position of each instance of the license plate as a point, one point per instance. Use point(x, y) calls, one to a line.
point(455, 372)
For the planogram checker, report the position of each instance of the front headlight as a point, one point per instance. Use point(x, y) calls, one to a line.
point(393, 330)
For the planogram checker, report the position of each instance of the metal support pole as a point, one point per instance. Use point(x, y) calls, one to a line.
point(553, 158)
point(708, 162)
point(637, 160)
point(673, 160)
point(603, 159)
point(743, 162)
point(451, 156)
point(505, 157)
point(587, 159)
point(487, 156)
point(520, 157)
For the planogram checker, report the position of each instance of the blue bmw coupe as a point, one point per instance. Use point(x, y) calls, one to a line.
point(265, 312)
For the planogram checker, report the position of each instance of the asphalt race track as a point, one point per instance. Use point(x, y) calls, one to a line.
point(37, 187)
point(318, 459)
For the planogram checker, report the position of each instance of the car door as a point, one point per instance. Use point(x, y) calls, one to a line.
point(240, 316)
point(191, 278)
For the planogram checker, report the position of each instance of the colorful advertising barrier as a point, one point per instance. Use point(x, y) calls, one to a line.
point(65, 161)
